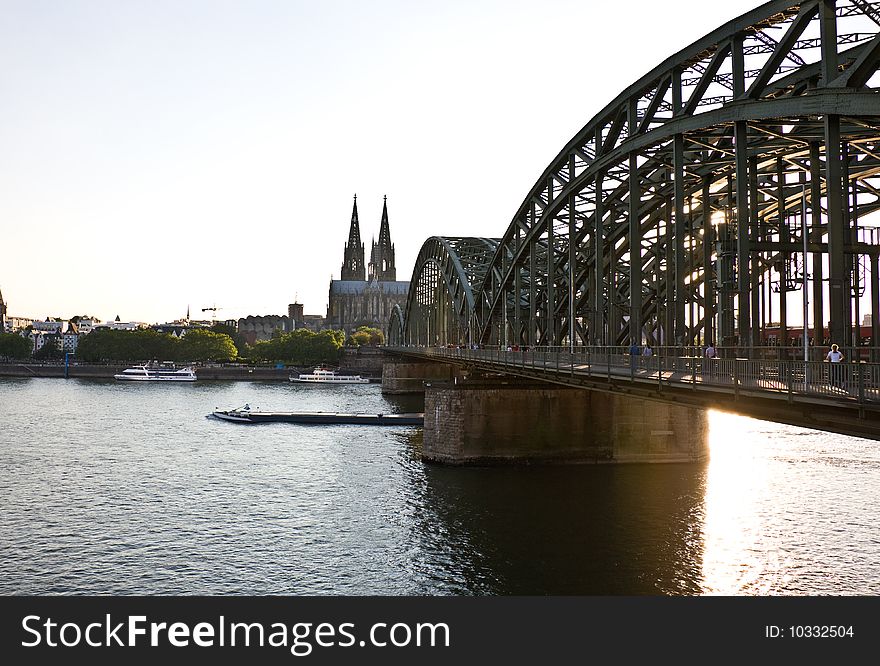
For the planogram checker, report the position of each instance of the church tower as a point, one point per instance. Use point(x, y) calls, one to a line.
point(353, 262)
point(2, 314)
point(382, 255)
point(356, 301)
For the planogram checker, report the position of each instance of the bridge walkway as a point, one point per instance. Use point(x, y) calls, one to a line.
point(843, 398)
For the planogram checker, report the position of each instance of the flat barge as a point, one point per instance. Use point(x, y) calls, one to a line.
point(245, 415)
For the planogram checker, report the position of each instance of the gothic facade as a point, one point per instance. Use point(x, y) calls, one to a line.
point(365, 294)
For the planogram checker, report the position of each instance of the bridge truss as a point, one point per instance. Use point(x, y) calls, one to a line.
point(726, 187)
point(441, 306)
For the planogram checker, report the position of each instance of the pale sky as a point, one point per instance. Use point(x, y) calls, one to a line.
point(165, 153)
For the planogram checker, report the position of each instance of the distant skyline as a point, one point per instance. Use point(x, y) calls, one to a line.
point(192, 153)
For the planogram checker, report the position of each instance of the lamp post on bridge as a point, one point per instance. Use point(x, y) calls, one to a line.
point(805, 290)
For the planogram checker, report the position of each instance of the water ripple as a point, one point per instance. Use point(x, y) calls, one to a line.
point(127, 489)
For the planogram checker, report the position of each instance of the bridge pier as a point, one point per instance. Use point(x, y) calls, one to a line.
point(410, 376)
point(512, 422)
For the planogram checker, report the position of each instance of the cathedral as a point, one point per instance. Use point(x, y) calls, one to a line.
point(365, 297)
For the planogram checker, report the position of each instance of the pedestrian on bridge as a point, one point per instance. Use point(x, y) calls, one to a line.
point(835, 372)
point(647, 353)
point(634, 353)
point(710, 355)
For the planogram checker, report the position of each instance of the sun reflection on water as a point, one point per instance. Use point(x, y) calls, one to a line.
point(740, 554)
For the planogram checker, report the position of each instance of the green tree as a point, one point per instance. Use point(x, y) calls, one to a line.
point(259, 351)
point(140, 345)
point(15, 346)
point(237, 338)
point(366, 335)
point(205, 345)
point(338, 337)
point(51, 349)
point(323, 347)
point(300, 347)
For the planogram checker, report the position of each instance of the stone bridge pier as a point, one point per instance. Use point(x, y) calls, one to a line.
point(399, 377)
point(479, 419)
point(499, 422)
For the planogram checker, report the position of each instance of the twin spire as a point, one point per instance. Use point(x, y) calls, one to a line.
point(354, 233)
point(381, 255)
point(384, 231)
point(353, 259)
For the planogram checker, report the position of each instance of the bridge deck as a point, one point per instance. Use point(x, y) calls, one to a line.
point(842, 398)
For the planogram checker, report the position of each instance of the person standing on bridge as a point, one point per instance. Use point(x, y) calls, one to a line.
point(634, 353)
point(835, 372)
point(647, 353)
point(710, 355)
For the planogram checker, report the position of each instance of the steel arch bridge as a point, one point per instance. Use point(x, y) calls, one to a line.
point(713, 196)
point(441, 305)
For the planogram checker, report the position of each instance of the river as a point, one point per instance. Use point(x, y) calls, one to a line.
point(123, 489)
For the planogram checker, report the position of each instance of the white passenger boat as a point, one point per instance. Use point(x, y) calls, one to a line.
point(163, 373)
point(322, 375)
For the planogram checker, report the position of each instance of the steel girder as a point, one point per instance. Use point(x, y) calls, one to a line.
point(441, 305)
point(674, 212)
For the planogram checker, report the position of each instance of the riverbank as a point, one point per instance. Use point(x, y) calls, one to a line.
point(100, 371)
point(107, 371)
point(364, 361)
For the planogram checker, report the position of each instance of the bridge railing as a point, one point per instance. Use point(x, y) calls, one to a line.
point(844, 381)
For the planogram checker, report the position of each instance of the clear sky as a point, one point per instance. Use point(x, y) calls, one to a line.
point(156, 154)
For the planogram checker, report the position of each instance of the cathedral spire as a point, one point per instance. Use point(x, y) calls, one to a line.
point(382, 254)
point(353, 261)
point(354, 231)
point(384, 231)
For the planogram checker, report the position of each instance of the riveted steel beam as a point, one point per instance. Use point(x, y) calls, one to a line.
point(676, 148)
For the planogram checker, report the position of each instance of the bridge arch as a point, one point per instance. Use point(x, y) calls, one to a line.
point(677, 212)
point(735, 175)
point(441, 306)
point(395, 326)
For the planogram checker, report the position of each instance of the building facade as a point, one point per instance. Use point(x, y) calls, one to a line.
point(54, 326)
point(361, 297)
point(70, 338)
point(15, 324)
point(314, 323)
point(86, 324)
point(255, 328)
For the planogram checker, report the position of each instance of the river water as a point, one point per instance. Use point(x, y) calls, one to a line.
point(112, 488)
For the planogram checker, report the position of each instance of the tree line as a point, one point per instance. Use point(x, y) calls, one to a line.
point(199, 345)
point(300, 347)
point(220, 344)
point(14, 346)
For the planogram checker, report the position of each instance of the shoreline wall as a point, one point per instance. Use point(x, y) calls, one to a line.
point(366, 361)
point(98, 371)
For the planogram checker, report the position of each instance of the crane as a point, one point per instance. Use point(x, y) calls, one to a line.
point(213, 310)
